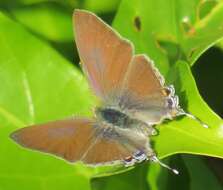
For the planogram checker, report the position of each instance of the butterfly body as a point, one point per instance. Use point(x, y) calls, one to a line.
point(129, 131)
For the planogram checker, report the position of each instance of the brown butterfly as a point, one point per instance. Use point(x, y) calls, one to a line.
point(133, 99)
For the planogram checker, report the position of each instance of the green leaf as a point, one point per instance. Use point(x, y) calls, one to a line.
point(101, 7)
point(194, 174)
point(131, 180)
point(189, 27)
point(15, 3)
point(208, 75)
point(208, 31)
point(104, 6)
point(201, 177)
point(37, 85)
point(142, 37)
point(55, 21)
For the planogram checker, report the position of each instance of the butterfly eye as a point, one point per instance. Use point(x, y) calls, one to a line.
point(166, 91)
point(169, 91)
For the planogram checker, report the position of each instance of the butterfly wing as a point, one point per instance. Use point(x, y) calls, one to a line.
point(144, 94)
point(116, 144)
point(68, 139)
point(80, 139)
point(142, 79)
point(104, 55)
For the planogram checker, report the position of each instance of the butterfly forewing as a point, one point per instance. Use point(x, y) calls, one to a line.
point(104, 55)
point(79, 139)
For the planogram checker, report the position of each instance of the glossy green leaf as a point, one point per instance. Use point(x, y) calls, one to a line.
point(142, 37)
point(199, 171)
point(188, 27)
point(131, 180)
point(194, 175)
point(101, 7)
point(55, 21)
point(104, 6)
point(208, 75)
point(16, 3)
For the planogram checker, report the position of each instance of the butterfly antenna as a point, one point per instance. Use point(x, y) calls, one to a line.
point(155, 159)
point(182, 112)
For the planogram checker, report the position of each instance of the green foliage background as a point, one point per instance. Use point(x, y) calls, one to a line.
point(40, 81)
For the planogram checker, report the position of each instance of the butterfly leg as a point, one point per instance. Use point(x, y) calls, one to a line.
point(148, 130)
point(151, 130)
point(129, 161)
point(138, 157)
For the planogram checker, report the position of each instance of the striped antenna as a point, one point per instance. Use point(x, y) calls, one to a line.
point(155, 159)
point(182, 112)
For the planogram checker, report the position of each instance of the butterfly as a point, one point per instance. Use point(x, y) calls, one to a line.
point(133, 98)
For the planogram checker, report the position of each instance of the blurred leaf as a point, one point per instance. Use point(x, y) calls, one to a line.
point(162, 179)
point(194, 175)
point(220, 44)
point(100, 6)
point(201, 176)
point(189, 26)
point(51, 21)
point(16, 3)
point(96, 6)
point(131, 180)
point(208, 75)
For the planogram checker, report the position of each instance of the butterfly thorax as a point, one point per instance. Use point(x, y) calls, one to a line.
point(115, 117)
point(112, 116)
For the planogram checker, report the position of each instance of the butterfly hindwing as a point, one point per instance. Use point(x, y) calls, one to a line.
point(144, 94)
point(116, 144)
